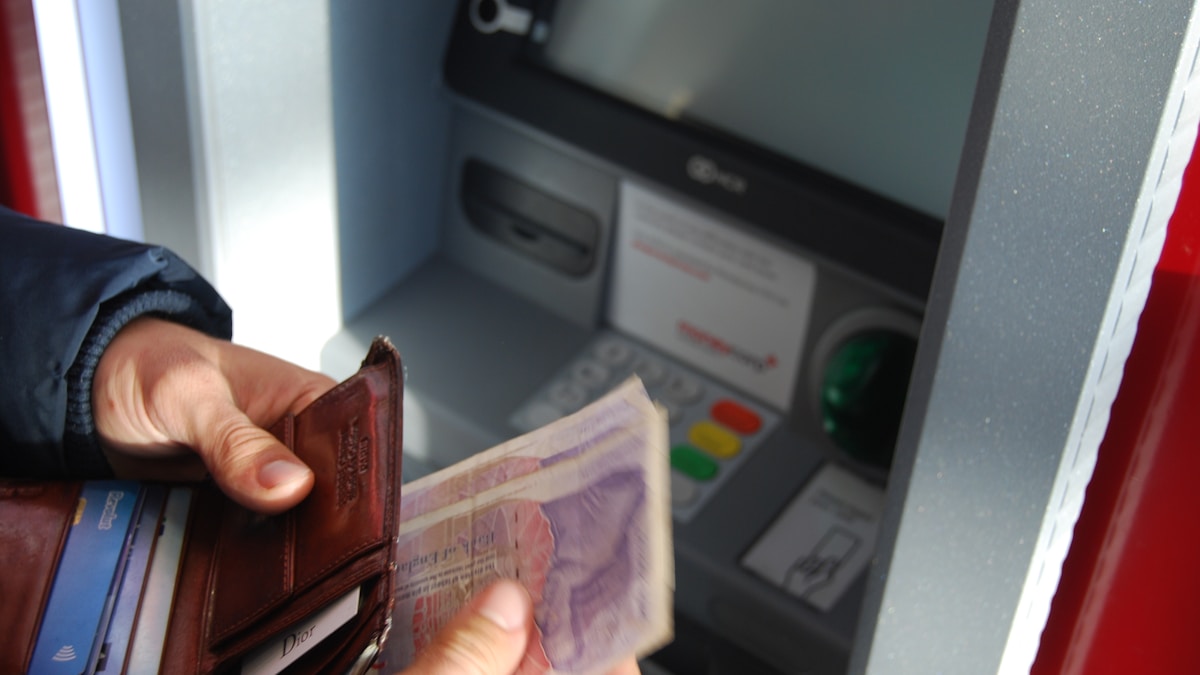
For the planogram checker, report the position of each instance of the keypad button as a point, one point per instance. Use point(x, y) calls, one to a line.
point(715, 439)
point(567, 395)
point(613, 352)
point(736, 416)
point(693, 463)
point(540, 414)
point(652, 371)
point(675, 412)
point(683, 389)
point(711, 430)
point(590, 374)
point(684, 490)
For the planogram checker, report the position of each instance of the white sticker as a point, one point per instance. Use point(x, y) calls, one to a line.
point(823, 540)
point(710, 294)
point(294, 642)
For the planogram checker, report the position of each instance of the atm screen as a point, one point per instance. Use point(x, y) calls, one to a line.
point(864, 90)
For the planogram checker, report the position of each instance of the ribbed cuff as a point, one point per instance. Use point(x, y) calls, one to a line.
point(81, 445)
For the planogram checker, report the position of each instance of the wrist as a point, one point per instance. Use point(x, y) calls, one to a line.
point(81, 442)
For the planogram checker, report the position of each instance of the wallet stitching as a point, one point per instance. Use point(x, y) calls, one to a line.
point(289, 555)
point(236, 626)
point(257, 614)
point(395, 467)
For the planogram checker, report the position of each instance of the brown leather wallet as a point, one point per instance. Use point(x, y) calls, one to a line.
point(245, 579)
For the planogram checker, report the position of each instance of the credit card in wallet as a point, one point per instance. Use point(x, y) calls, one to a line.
point(114, 586)
point(78, 597)
point(146, 645)
point(115, 646)
point(294, 642)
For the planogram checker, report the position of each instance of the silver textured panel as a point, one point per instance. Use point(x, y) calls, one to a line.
point(1071, 171)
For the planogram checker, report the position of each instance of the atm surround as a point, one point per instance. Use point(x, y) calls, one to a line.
point(890, 243)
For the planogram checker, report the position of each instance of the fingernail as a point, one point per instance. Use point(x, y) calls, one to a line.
point(505, 604)
point(281, 472)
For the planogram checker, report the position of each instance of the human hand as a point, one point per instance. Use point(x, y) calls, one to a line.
point(489, 636)
point(166, 398)
point(162, 390)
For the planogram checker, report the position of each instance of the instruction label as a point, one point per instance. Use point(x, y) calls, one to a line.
point(823, 540)
point(710, 294)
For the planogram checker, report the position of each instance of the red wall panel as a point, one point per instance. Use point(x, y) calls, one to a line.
point(27, 178)
point(1129, 599)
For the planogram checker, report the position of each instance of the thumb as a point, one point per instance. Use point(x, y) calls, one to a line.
point(487, 637)
point(250, 465)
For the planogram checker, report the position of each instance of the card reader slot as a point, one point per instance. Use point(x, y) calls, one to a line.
point(529, 220)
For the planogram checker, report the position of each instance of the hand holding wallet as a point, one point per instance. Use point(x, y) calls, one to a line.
point(245, 580)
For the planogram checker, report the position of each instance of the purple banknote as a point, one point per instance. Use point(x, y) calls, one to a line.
point(578, 512)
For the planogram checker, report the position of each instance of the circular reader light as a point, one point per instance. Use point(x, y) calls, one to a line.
point(863, 387)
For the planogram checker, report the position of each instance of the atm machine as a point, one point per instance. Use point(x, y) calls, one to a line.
point(744, 204)
point(882, 262)
point(741, 203)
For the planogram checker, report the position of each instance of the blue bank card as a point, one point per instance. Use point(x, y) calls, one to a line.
point(81, 590)
point(128, 593)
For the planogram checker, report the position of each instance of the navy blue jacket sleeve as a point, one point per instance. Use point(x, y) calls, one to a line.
point(64, 294)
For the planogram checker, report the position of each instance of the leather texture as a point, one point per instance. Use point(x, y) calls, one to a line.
point(245, 578)
point(34, 519)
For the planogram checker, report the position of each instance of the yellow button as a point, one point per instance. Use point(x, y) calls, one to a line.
point(714, 439)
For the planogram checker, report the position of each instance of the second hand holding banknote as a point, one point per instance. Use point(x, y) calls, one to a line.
point(577, 511)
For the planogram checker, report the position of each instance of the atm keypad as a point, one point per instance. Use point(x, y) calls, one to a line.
point(713, 430)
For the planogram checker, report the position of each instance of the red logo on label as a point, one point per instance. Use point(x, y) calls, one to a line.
point(717, 345)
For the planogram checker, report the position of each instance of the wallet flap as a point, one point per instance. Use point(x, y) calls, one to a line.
point(246, 579)
point(347, 437)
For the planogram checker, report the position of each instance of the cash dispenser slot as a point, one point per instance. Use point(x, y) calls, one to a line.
point(529, 220)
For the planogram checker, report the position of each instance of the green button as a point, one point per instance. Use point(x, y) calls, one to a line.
point(693, 463)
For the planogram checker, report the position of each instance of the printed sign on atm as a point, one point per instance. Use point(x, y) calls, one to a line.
point(710, 294)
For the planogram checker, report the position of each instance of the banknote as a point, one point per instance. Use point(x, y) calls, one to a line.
point(621, 409)
point(578, 512)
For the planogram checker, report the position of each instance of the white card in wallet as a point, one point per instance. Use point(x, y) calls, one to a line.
point(290, 645)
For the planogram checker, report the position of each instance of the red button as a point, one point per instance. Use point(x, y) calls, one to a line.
point(736, 416)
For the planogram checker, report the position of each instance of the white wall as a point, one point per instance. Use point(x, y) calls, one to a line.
point(259, 100)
